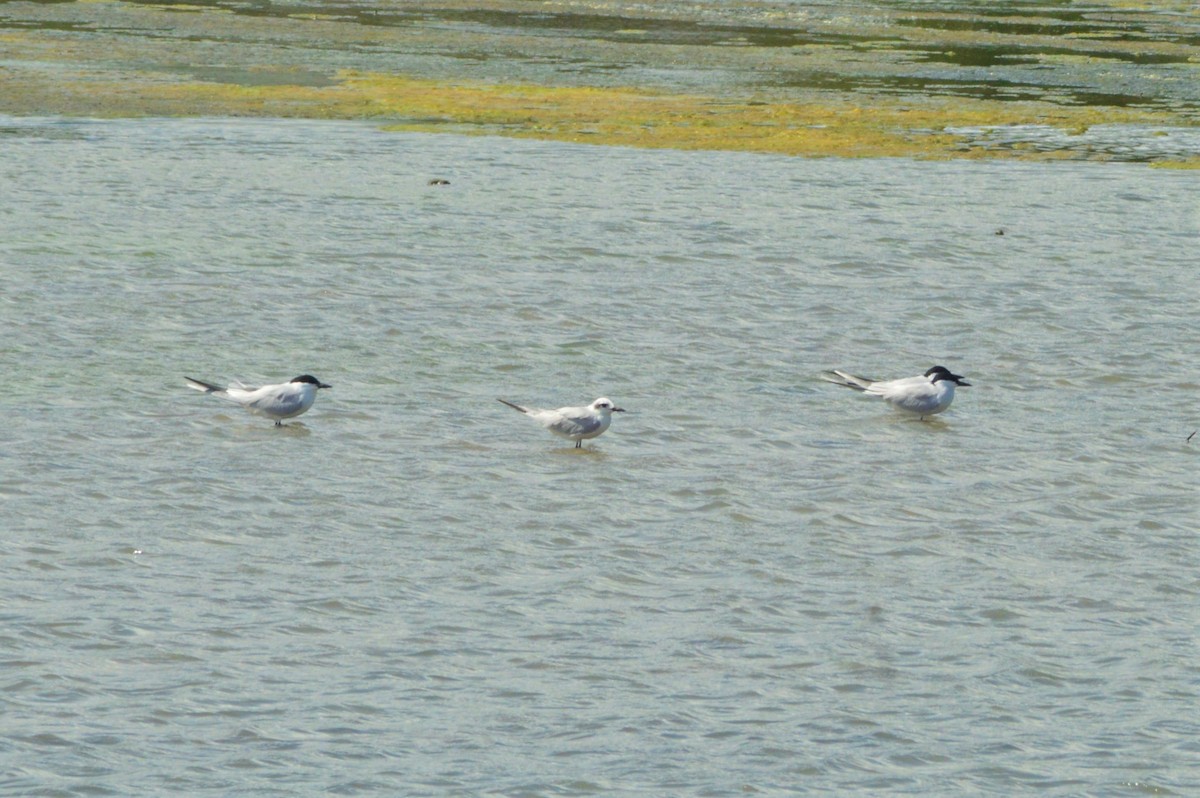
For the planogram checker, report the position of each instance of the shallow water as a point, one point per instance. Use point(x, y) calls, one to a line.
point(754, 583)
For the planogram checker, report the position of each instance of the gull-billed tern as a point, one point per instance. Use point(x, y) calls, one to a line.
point(287, 400)
point(576, 423)
point(926, 395)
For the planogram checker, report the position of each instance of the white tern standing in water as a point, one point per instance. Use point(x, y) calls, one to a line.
point(926, 395)
point(287, 400)
point(576, 423)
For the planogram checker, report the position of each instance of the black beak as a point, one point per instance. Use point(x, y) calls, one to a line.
point(618, 410)
point(323, 385)
point(960, 381)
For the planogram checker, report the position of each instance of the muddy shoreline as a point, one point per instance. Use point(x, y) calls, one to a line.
point(840, 79)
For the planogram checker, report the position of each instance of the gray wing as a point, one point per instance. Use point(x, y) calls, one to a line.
point(278, 401)
point(574, 425)
point(904, 389)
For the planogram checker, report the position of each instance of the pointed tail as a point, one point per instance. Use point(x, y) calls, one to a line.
point(204, 387)
point(514, 407)
point(847, 380)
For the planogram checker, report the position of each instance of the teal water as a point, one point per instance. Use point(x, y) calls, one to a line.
point(754, 583)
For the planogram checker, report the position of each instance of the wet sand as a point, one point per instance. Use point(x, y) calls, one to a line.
point(843, 79)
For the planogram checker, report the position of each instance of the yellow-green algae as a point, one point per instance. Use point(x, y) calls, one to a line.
point(861, 126)
point(89, 68)
point(1187, 163)
point(878, 127)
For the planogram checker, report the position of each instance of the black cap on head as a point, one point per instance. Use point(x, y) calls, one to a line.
point(311, 380)
point(943, 373)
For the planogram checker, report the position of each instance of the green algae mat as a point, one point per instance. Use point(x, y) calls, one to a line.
point(916, 79)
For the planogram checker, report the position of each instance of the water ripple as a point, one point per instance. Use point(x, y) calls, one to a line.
point(754, 582)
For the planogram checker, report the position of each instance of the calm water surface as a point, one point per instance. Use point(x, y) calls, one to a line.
point(754, 583)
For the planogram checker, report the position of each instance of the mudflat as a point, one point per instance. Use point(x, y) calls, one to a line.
point(885, 79)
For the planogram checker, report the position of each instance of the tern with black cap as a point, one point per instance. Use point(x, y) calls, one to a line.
point(277, 402)
point(924, 395)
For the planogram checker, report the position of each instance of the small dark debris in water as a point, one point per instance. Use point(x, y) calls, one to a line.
point(999, 231)
point(439, 181)
point(1189, 440)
